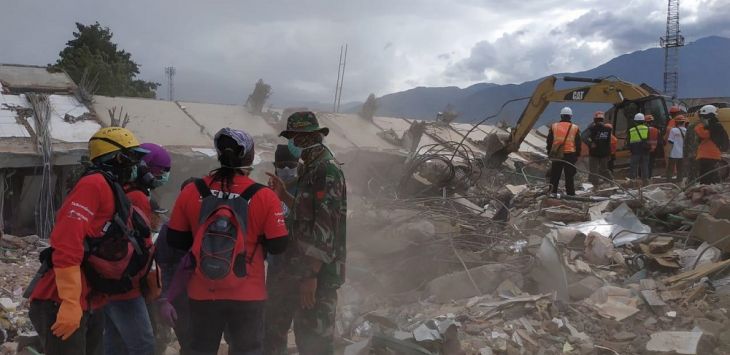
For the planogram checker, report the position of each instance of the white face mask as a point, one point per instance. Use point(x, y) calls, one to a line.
point(287, 174)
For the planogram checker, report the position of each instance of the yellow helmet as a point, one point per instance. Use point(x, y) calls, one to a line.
point(111, 139)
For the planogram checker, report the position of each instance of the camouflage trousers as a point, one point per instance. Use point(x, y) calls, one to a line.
point(313, 328)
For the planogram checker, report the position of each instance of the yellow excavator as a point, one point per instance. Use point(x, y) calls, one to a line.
point(627, 100)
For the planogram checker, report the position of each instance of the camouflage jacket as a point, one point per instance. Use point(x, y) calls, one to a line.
point(318, 220)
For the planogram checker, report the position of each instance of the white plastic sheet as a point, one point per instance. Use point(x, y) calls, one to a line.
point(622, 226)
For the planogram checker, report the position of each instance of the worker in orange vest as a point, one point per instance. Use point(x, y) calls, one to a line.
point(708, 153)
point(655, 143)
point(563, 146)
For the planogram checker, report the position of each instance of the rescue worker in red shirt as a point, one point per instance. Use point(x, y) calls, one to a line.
point(128, 328)
point(708, 153)
point(563, 146)
point(236, 301)
point(64, 308)
point(656, 145)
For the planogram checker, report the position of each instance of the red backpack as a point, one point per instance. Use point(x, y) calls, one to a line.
point(116, 262)
point(219, 243)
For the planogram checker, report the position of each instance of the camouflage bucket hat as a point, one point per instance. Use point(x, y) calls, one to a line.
point(302, 122)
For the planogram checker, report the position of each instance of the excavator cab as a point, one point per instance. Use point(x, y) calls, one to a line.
point(622, 115)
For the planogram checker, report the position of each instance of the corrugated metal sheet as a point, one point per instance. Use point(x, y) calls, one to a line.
point(9, 126)
point(77, 132)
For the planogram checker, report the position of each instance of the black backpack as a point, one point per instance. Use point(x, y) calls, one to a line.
point(719, 136)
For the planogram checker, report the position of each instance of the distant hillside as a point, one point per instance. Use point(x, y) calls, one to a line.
point(704, 71)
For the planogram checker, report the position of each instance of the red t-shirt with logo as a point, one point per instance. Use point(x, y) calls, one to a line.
point(265, 218)
point(83, 214)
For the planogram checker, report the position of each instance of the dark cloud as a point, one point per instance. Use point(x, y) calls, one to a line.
point(221, 48)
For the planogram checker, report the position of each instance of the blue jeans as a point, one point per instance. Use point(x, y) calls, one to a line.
point(639, 163)
point(128, 330)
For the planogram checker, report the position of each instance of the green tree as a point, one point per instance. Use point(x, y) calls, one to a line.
point(369, 108)
point(257, 99)
point(92, 54)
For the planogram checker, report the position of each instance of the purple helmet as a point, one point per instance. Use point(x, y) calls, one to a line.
point(158, 159)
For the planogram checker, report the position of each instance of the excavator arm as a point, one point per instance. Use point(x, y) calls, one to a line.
point(599, 91)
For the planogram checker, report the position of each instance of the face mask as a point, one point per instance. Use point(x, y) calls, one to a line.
point(287, 174)
point(161, 180)
point(133, 173)
point(297, 151)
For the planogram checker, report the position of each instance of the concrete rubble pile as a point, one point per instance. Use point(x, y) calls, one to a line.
point(617, 270)
point(18, 264)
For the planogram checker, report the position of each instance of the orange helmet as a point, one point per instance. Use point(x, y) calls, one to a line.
point(598, 114)
point(675, 109)
point(648, 118)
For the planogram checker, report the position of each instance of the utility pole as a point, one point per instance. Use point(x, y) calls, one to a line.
point(340, 78)
point(170, 74)
point(671, 42)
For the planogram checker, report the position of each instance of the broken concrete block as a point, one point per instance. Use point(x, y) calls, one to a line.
point(458, 285)
point(712, 230)
point(652, 298)
point(598, 249)
point(9, 349)
point(720, 208)
point(584, 288)
point(709, 327)
point(675, 342)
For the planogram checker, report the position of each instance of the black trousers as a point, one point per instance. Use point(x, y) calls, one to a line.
point(707, 177)
point(87, 340)
point(243, 321)
point(556, 170)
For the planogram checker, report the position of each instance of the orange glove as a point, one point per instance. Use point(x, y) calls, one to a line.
point(68, 318)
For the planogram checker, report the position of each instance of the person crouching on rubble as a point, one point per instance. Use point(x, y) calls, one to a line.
point(229, 223)
point(598, 139)
point(304, 288)
point(563, 146)
point(97, 248)
point(128, 328)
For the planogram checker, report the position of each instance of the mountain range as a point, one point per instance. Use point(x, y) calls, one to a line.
point(704, 72)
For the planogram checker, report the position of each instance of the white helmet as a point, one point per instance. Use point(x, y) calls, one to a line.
point(566, 111)
point(639, 117)
point(708, 110)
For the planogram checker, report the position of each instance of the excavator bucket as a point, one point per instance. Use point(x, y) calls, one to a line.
point(496, 149)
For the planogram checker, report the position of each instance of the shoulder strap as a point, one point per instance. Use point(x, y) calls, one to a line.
point(203, 188)
point(251, 190)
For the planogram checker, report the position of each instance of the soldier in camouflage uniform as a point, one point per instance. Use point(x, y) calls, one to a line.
point(303, 286)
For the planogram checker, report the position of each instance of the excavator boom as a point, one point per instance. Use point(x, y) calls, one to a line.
point(598, 91)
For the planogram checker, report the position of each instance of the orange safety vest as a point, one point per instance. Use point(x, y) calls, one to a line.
point(564, 133)
point(653, 138)
point(707, 148)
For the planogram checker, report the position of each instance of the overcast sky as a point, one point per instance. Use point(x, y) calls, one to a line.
point(220, 48)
